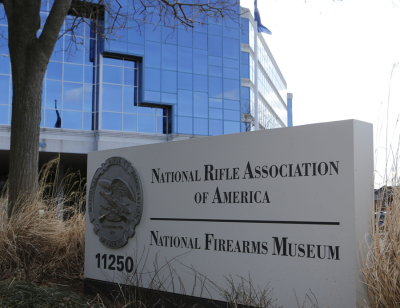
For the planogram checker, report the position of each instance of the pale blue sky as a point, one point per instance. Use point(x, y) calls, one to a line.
point(337, 58)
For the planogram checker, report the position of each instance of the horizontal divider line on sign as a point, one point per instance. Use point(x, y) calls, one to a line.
point(283, 222)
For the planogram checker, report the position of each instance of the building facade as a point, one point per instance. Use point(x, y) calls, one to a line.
point(148, 85)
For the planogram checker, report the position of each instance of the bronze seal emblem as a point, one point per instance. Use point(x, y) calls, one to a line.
point(115, 202)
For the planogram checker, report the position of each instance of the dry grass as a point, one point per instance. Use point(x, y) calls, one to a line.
point(381, 268)
point(45, 239)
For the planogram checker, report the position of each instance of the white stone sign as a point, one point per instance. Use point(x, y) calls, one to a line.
point(289, 207)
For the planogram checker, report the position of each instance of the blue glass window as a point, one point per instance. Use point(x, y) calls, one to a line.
point(57, 54)
point(217, 61)
point(169, 98)
point(147, 110)
point(54, 70)
point(185, 59)
point(131, 64)
point(245, 72)
point(245, 106)
point(245, 58)
point(200, 83)
point(169, 57)
point(200, 40)
point(231, 89)
point(185, 102)
point(185, 38)
point(130, 122)
point(88, 97)
point(232, 115)
point(121, 33)
point(89, 51)
point(232, 23)
point(215, 87)
point(152, 96)
point(4, 89)
point(112, 61)
point(88, 121)
point(231, 73)
point(215, 45)
point(215, 29)
point(202, 28)
point(5, 67)
point(231, 63)
point(73, 72)
point(72, 120)
point(3, 47)
point(152, 79)
point(147, 124)
point(130, 77)
point(112, 98)
point(3, 114)
point(244, 22)
point(215, 103)
point(200, 109)
point(51, 117)
point(130, 98)
point(215, 71)
point(89, 73)
point(112, 74)
point(53, 92)
point(134, 34)
point(73, 52)
point(215, 113)
point(200, 61)
point(231, 48)
point(135, 49)
point(73, 96)
point(153, 54)
point(111, 121)
point(246, 93)
point(232, 33)
point(169, 36)
point(245, 37)
point(185, 125)
point(234, 105)
point(169, 81)
point(215, 127)
point(160, 125)
point(231, 127)
point(185, 81)
point(153, 33)
point(3, 13)
point(117, 46)
point(200, 126)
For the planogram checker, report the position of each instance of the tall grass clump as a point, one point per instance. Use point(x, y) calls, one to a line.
point(381, 261)
point(381, 264)
point(44, 238)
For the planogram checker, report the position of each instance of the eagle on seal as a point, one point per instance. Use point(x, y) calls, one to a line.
point(114, 194)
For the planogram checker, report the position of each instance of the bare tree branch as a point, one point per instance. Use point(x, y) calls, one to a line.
point(53, 25)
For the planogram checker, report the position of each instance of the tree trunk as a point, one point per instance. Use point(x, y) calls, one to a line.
point(29, 58)
point(25, 127)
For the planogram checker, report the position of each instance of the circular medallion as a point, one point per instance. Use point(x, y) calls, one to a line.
point(115, 202)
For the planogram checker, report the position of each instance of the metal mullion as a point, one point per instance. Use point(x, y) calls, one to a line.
point(100, 91)
point(122, 84)
point(62, 81)
point(137, 98)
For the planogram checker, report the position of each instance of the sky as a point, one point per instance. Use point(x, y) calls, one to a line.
point(341, 60)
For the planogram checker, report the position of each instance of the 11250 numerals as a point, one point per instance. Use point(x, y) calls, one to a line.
point(112, 262)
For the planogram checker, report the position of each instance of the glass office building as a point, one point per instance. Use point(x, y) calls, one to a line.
point(151, 85)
